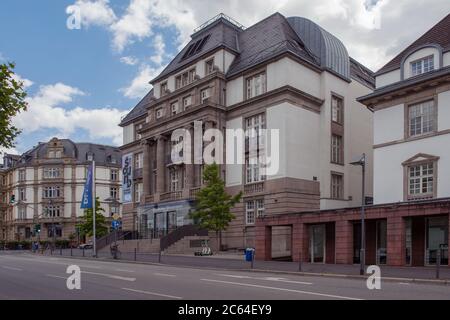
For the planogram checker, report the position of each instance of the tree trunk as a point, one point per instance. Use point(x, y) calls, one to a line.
point(219, 240)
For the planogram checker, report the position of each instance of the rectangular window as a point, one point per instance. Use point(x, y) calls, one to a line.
point(187, 101)
point(174, 108)
point(138, 191)
point(51, 192)
point(256, 85)
point(52, 211)
point(51, 173)
point(114, 175)
point(254, 148)
point(337, 109)
point(22, 213)
point(204, 94)
point(336, 149)
point(22, 194)
point(209, 66)
point(159, 113)
point(176, 179)
point(422, 66)
point(184, 79)
point(337, 186)
point(164, 88)
point(250, 212)
point(422, 118)
point(139, 160)
point(114, 192)
point(22, 175)
point(421, 180)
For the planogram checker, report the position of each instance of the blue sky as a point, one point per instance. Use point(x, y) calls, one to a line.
point(81, 82)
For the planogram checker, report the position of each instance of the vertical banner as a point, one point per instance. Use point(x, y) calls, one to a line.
point(86, 200)
point(127, 178)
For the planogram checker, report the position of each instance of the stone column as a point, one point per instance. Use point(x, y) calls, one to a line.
point(263, 243)
point(299, 245)
point(146, 170)
point(344, 242)
point(396, 241)
point(189, 167)
point(160, 164)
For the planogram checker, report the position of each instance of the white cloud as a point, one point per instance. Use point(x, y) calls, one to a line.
point(26, 83)
point(45, 111)
point(95, 13)
point(131, 61)
point(160, 48)
point(139, 86)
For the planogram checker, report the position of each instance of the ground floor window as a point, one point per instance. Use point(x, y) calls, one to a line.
point(436, 239)
point(254, 209)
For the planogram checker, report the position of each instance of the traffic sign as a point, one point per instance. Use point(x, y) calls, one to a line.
point(116, 224)
point(115, 216)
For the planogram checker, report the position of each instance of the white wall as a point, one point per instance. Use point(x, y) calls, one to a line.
point(128, 134)
point(389, 124)
point(387, 78)
point(234, 172)
point(444, 111)
point(446, 59)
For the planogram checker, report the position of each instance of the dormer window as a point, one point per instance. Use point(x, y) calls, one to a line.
point(209, 66)
point(422, 65)
point(164, 88)
point(204, 94)
point(185, 78)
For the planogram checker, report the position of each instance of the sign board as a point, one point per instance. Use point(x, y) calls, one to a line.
point(115, 216)
point(116, 224)
point(127, 178)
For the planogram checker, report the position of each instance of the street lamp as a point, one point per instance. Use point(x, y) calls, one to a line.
point(361, 161)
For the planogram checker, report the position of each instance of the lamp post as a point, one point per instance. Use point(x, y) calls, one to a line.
point(362, 256)
point(116, 203)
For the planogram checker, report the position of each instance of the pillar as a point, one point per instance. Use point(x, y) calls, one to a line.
point(396, 241)
point(189, 167)
point(344, 242)
point(299, 248)
point(160, 164)
point(263, 244)
point(146, 171)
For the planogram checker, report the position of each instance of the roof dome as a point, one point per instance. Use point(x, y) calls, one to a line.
point(327, 49)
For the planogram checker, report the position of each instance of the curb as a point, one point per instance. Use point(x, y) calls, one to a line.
point(444, 282)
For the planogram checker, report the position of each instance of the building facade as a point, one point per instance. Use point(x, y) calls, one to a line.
point(284, 74)
point(44, 186)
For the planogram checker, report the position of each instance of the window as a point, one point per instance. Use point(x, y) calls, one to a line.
point(422, 118)
point(174, 108)
point(22, 175)
point(51, 154)
point(138, 191)
point(254, 148)
point(204, 94)
point(164, 88)
point(422, 66)
point(195, 47)
point(337, 109)
point(51, 173)
point(185, 78)
point(337, 186)
point(114, 175)
point(114, 192)
point(336, 149)
point(256, 85)
point(159, 113)
point(52, 211)
point(56, 228)
point(22, 194)
point(114, 210)
point(254, 209)
point(209, 66)
point(137, 128)
point(138, 160)
point(421, 180)
point(58, 154)
point(187, 101)
point(176, 179)
point(51, 192)
point(22, 213)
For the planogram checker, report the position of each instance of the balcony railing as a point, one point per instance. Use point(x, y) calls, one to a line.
point(254, 187)
point(149, 198)
point(175, 195)
point(193, 192)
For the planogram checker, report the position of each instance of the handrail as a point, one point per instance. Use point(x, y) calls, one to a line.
point(110, 238)
point(180, 233)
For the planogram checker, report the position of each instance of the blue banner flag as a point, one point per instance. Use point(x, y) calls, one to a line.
point(86, 201)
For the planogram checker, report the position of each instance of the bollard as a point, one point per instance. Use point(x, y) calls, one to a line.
point(135, 254)
point(83, 251)
point(60, 251)
point(253, 258)
point(159, 256)
point(51, 251)
point(300, 261)
point(71, 252)
point(438, 263)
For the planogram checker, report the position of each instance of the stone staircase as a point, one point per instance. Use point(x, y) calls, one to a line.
point(187, 245)
point(142, 245)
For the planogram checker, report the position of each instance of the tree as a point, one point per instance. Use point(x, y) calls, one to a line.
point(213, 204)
point(86, 227)
point(12, 102)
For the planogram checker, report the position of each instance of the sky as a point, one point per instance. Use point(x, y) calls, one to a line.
point(81, 81)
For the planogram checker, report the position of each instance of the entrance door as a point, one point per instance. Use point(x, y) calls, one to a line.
point(171, 221)
point(160, 225)
point(437, 239)
point(317, 243)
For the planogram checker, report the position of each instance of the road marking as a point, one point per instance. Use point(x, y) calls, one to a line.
point(43, 260)
point(123, 270)
point(12, 268)
point(164, 274)
point(404, 283)
point(54, 276)
point(265, 279)
point(111, 276)
point(152, 293)
point(282, 289)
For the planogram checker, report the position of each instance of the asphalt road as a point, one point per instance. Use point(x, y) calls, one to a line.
point(28, 276)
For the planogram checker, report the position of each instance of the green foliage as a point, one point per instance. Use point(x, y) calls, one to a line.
point(213, 204)
point(86, 227)
point(12, 102)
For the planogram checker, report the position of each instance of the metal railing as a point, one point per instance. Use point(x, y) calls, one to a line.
point(193, 192)
point(180, 233)
point(111, 238)
point(175, 195)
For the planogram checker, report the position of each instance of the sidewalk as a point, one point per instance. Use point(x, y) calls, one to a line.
point(237, 262)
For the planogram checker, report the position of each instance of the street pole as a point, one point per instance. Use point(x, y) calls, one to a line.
point(93, 210)
point(363, 228)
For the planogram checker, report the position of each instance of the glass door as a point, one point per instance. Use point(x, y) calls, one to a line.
point(436, 239)
point(317, 243)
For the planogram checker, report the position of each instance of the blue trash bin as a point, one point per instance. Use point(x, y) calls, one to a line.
point(249, 254)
